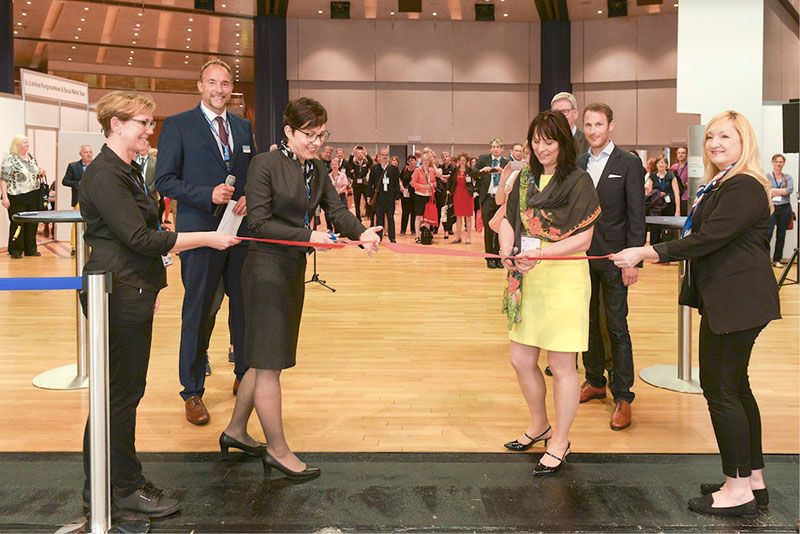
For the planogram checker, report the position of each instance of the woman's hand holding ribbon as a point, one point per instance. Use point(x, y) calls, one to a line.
point(371, 235)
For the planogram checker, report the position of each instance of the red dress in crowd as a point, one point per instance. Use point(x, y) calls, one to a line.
point(462, 199)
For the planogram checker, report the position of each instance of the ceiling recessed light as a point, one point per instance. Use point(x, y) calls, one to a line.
point(132, 51)
point(434, 13)
point(599, 11)
point(140, 13)
point(237, 44)
point(80, 29)
point(138, 25)
point(186, 56)
point(188, 38)
point(16, 32)
point(19, 24)
point(86, 9)
point(135, 34)
point(28, 2)
point(391, 12)
point(505, 14)
point(133, 42)
point(187, 46)
point(74, 47)
point(69, 59)
point(76, 37)
point(188, 29)
point(25, 15)
point(130, 58)
point(129, 63)
point(237, 60)
point(185, 62)
point(675, 4)
point(223, 5)
point(319, 11)
point(237, 24)
point(82, 19)
point(190, 19)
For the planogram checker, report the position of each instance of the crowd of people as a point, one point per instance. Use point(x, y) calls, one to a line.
point(566, 192)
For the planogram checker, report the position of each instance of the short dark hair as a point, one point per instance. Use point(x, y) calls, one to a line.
point(304, 112)
point(600, 107)
point(409, 157)
point(553, 125)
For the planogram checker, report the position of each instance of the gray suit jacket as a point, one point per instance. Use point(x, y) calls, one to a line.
point(581, 144)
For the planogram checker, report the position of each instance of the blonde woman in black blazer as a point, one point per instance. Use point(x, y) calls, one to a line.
point(284, 188)
point(731, 282)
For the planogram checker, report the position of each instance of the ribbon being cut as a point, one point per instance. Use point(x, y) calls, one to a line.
point(400, 248)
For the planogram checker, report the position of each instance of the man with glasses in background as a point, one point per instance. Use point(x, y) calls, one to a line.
point(198, 150)
point(566, 104)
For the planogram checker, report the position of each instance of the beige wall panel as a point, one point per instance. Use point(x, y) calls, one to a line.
point(609, 49)
point(657, 46)
point(790, 52)
point(535, 48)
point(533, 102)
point(291, 49)
point(336, 50)
point(621, 96)
point(576, 51)
point(491, 53)
point(658, 122)
point(482, 113)
point(351, 111)
point(413, 51)
point(773, 38)
point(417, 110)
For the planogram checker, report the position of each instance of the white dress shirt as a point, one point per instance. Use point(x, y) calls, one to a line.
point(597, 164)
point(211, 116)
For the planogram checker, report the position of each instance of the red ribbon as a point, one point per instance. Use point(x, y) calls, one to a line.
point(400, 248)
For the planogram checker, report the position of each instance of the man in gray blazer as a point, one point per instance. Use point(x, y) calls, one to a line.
point(566, 104)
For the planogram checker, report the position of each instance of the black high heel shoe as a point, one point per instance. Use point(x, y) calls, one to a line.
point(270, 462)
point(519, 447)
point(542, 469)
point(226, 442)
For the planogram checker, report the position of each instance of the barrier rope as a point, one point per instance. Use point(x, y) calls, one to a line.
point(41, 283)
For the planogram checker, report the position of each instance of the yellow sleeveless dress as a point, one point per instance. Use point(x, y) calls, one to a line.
point(555, 303)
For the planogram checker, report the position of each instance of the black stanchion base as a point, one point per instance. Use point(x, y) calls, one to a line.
point(316, 279)
point(784, 279)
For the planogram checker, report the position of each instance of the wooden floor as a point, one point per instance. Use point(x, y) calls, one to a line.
point(409, 354)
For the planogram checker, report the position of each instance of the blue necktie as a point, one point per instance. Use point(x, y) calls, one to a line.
point(495, 176)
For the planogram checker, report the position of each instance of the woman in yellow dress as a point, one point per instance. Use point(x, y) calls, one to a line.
point(550, 212)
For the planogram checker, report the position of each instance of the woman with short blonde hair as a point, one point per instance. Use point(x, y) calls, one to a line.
point(19, 189)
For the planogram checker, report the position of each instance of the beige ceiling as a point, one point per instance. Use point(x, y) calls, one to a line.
point(168, 39)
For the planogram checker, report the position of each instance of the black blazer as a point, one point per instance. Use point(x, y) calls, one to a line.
point(376, 183)
point(483, 182)
point(581, 144)
point(731, 278)
point(358, 172)
point(277, 203)
point(451, 182)
point(190, 166)
point(72, 178)
point(622, 219)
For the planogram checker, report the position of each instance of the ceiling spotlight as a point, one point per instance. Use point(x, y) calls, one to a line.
point(82, 19)
point(237, 35)
point(130, 58)
point(190, 19)
point(505, 14)
point(599, 11)
point(140, 13)
point(132, 51)
point(237, 60)
point(187, 46)
point(74, 47)
point(86, 9)
point(69, 59)
point(237, 51)
point(76, 37)
point(186, 56)
point(16, 32)
point(138, 25)
point(185, 62)
point(391, 13)
point(223, 5)
point(675, 4)
point(25, 14)
point(28, 2)
point(129, 63)
point(19, 24)
point(133, 42)
point(135, 34)
point(80, 29)
point(237, 24)
point(188, 38)
point(319, 11)
point(434, 13)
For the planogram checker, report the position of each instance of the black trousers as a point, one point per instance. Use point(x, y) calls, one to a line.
point(130, 332)
point(201, 271)
point(407, 207)
point(384, 216)
point(488, 209)
point(726, 387)
point(22, 237)
point(358, 192)
point(607, 287)
point(780, 218)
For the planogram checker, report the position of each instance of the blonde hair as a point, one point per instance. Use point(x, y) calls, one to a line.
point(122, 105)
point(566, 96)
point(213, 62)
point(750, 160)
point(15, 141)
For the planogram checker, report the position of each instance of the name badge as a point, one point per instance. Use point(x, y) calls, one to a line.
point(469, 179)
point(359, 181)
point(166, 259)
point(246, 149)
point(666, 200)
point(385, 180)
point(777, 199)
point(530, 243)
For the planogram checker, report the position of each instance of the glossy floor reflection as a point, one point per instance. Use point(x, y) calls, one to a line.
point(384, 492)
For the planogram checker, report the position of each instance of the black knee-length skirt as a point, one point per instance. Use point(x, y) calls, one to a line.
point(273, 289)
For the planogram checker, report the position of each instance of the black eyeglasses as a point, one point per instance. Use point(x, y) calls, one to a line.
point(149, 125)
point(314, 137)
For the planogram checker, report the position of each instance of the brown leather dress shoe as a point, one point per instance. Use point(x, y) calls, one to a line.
point(621, 417)
point(196, 412)
point(589, 392)
point(236, 386)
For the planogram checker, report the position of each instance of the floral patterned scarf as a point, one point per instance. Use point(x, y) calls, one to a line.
point(560, 209)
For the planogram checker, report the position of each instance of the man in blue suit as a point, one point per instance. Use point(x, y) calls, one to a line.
point(197, 150)
point(72, 179)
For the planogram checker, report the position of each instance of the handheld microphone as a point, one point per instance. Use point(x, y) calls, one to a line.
point(229, 180)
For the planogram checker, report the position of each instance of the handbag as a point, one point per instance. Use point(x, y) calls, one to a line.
point(431, 214)
point(791, 221)
point(44, 194)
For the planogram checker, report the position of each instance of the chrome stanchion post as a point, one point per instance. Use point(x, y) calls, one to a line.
point(81, 252)
point(98, 402)
point(684, 333)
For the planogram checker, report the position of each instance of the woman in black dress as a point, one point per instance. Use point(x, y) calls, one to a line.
point(284, 188)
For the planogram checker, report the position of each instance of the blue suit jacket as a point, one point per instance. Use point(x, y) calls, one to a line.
point(72, 178)
point(189, 166)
